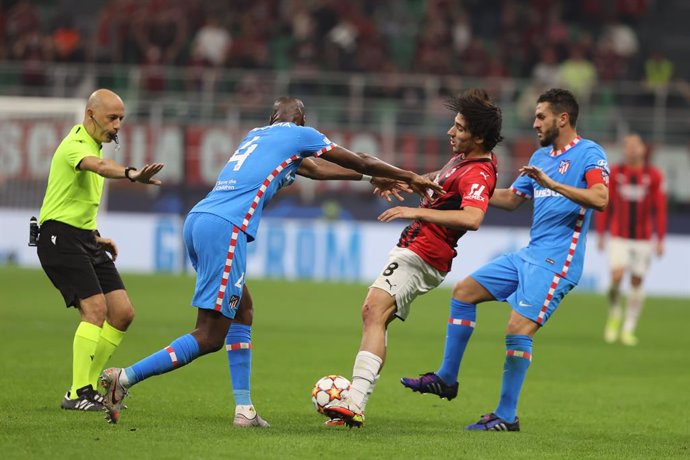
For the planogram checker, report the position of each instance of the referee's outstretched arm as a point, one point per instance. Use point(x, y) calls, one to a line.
point(112, 170)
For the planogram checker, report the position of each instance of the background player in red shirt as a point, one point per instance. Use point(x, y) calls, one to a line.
point(424, 253)
point(637, 200)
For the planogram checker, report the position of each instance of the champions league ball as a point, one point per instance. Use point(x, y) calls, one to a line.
point(327, 389)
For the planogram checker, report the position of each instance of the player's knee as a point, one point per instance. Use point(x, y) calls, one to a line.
point(126, 318)
point(245, 314)
point(209, 343)
point(93, 311)
point(636, 281)
point(462, 290)
point(617, 276)
point(373, 313)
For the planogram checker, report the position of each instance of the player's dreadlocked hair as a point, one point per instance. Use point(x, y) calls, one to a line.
point(561, 100)
point(482, 116)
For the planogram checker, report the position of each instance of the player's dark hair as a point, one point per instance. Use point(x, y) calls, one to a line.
point(561, 100)
point(483, 117)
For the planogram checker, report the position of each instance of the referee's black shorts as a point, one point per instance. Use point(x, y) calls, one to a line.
point(75, 263)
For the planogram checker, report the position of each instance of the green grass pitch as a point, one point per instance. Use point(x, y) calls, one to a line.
point(582, 398)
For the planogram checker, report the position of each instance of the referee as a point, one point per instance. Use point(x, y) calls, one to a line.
point(72, 252)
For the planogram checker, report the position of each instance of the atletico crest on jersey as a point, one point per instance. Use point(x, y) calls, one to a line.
point(563, 166)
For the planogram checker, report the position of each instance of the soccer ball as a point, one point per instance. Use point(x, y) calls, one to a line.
point(327, 389)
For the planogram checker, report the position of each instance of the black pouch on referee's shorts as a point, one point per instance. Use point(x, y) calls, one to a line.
point(34, 231)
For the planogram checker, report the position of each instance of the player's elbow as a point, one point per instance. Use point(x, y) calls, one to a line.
point(475, 224)
point(600, 203)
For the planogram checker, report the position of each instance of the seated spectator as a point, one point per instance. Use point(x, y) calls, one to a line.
point(546, 72)
point(578, 74)
point(66, 41)
point(658, 71)
point(211, 43)
point(161, 24)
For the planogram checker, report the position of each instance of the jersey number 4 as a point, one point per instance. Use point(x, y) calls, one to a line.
point(243, 152)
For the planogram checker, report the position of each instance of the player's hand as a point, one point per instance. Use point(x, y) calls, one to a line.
point(422, 185)
point(398, 212)
point(600, 243)
point(386, 188)
point(539, 176)
point(108, 246)
point(660, 248)
point(145, 174)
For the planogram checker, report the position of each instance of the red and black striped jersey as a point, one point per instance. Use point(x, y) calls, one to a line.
point(467, 182)
point(637, 204)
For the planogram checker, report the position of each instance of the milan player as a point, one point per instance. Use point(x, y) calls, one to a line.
point(426, 248)
point(637, 201)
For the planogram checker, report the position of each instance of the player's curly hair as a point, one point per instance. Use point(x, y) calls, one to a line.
point(483, 117)
point(561, 100)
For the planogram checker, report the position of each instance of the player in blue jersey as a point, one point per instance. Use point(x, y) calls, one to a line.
point(219, 227)
point(567, 178)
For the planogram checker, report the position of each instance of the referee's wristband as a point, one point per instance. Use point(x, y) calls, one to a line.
point(127, 170)
point(366, 177)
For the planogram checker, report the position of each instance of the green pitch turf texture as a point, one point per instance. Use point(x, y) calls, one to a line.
point(582, 398)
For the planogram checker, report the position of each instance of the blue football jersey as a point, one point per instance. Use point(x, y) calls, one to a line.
point(264, 162)
point(559, 226)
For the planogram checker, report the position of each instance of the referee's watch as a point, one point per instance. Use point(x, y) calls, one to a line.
point(127, 170)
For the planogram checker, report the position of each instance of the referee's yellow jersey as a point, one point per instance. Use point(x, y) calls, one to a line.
point(72, 196)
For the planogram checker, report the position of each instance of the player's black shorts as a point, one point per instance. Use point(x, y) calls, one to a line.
point(75, 263)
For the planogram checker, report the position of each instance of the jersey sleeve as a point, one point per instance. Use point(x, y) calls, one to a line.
point(75, 153)
point(603, 218)
point(596, 167)
point(523, 186)
point(313, 143)
point(476, 188)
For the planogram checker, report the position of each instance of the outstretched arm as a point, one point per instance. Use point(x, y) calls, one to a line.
point(368, 164)
point(596, 196)
point(111, 169)
point(505, 198)
point(468, 218)
point(318, 169)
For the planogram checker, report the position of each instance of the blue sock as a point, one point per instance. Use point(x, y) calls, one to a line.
point(518, 359)
point(181, 351)
point(238, 343)
point(463, 317)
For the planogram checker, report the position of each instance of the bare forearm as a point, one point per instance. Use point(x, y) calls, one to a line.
point(505, 198)
point(459, 220)
point(110, 169)
point(368, 164)
point(595, 197)
point(318, 169)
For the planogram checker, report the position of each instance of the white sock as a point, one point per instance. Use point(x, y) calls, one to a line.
point(247, 411)
point(369, 392)
point(367, 366)
point(633, 309)
point(123, 380)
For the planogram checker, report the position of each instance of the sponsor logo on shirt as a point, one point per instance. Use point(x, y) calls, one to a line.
point(476, 193)
point(546, 193)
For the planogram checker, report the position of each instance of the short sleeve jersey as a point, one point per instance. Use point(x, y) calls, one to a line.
point(264, 162)
point(73, 196)
point(467, 182)
point(559, 226)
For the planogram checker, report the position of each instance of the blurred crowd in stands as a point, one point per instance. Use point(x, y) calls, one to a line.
point(574, 43)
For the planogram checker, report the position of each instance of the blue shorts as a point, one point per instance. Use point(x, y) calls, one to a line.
point(217, 250)
point(533, 291)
